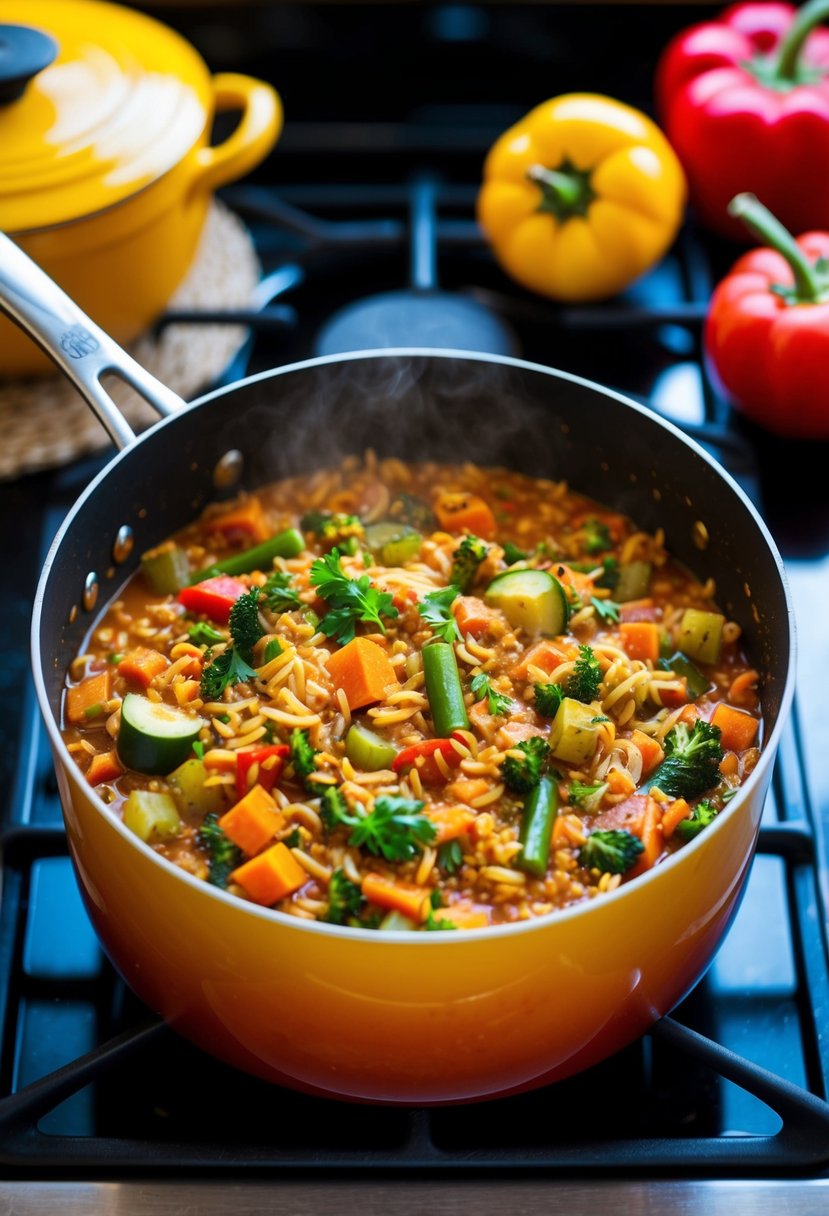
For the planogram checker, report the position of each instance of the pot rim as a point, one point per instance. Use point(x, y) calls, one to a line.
point(420, 940)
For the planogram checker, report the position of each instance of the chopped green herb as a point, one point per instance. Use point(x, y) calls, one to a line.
point(350, 599)
point(524, 773)
point(116, 657)
point(435, 608)
point(513, 554)
point(93, 711)
point(497, 704)
point(273, 650)
point(279, 594)
point(596, 536)
point(198, 748)
point(294, 839)
point(607, 610)
point(394, 829)
point(450, 856)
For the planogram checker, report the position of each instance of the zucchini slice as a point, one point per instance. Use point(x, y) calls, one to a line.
point(531, 600)
point(155, 738)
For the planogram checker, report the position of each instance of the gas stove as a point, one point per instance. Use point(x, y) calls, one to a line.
point(365, 232)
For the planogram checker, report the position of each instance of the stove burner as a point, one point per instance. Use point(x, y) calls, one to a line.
point(416, 318)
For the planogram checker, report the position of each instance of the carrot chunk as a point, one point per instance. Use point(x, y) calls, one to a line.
point(395, 894)
point(673, 816)
point(465, 915)
point(649, 831)
point(86, 700)
point(458, 511)
point(619, 781)
point(142, 665)
point(652, 752)
point(253, 821)
point(363, 671)
point(451, 821)
point(640, 640)
point(465, 789)
point(738, 728)
point(247, 518)
point(546, 655)
point(104, 767)
point(473, 616)
point(743, 690)
point(271, 875)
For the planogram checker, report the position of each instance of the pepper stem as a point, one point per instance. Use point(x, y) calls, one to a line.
point(788, 54)
point(767, 228)
point(565, 191)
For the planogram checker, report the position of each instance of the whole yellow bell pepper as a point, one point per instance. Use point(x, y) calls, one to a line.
point(581, 197)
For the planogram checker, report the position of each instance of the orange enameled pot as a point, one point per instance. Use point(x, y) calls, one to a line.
point(398, 1017)
point(106, 170)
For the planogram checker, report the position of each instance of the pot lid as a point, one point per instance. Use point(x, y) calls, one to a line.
point(96, 102)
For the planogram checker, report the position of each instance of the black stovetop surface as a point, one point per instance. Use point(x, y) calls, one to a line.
point(351, 205)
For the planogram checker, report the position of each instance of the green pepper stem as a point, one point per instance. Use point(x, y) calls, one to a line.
point(767, 228)
point(788, 54)
point(565, 186)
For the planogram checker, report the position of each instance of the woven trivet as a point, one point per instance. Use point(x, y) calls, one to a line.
point(45, 422)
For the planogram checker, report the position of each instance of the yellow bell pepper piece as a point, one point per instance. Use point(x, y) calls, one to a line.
point(581, 197)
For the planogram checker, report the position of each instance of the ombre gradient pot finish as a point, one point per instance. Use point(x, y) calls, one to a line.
point(396, 1017)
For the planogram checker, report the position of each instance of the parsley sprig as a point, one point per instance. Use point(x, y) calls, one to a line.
point(233, 665)
point(583, 684)
point(279, 594)
point(350, 599)
point(496, 702)
point(436, 610)
point(394, 829)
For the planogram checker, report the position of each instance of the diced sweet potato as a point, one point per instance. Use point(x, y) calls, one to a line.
point(253, 822)
point(271, 875)
point(363, 671)
point(83, 701)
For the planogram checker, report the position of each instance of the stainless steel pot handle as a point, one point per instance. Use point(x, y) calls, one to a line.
point(79, 347)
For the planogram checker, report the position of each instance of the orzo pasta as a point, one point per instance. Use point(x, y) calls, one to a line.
point(414, 697)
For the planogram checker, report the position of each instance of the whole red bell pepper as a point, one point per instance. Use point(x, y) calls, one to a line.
point(767, 330)
point(745, 102)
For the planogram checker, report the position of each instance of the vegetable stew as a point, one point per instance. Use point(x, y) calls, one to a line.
point(414, 697)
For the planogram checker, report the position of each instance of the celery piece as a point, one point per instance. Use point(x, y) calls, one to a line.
point(151, 816)
point(397, 921)
point(574, 735)
point(633, 582)
point(367, 750)
point(700, 634)
point(187, 782)
point(166, 568)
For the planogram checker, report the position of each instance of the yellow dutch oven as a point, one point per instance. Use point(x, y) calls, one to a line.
point(106, 172)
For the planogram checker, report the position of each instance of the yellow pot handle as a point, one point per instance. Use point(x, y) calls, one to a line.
point(256, 134)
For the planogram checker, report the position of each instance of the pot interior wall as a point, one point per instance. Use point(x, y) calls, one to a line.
point(416, 406)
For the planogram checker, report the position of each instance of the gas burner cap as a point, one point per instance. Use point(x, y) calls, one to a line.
point(437, 319)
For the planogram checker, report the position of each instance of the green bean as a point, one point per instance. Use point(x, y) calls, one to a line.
point(285, 544)
point(443, 688)
point(540, 810)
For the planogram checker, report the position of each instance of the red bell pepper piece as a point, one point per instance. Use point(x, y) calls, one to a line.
point(269, 776)
point(214, 597)
point(422, 757)
point(745, 102)
point(767, 332)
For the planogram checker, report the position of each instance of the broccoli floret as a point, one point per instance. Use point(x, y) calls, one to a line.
point(333, 528)
point(691, 764)
point(702, 814)
point(584, 795)
point(223, 855)
point(465, 562)
point(345, 899)
point(245, 628)
point(303, 754)
point(583, 684)
point(232, 666)
point(548, 697)
point(334, 809)
point(432, 922)
point(612, 851)
point(610, 574)
point(522, 775)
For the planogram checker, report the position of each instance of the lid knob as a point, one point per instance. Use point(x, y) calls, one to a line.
point(23, 53)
